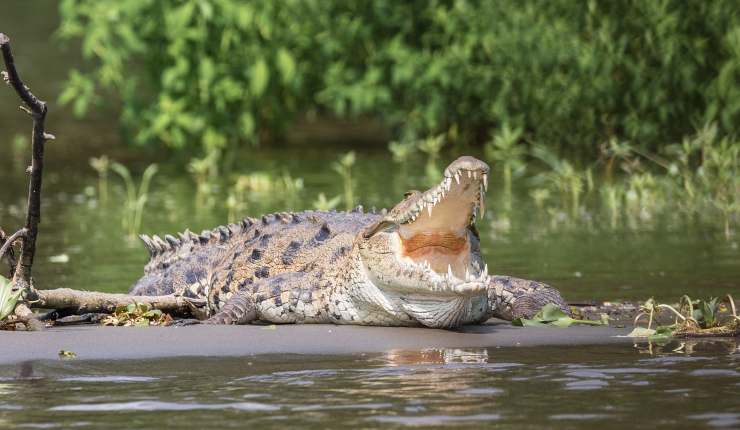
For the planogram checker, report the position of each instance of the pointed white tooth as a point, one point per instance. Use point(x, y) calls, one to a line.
point(467, 275)
point(429, 209)
point(449, 271)
point(485, 182)
point(457, 177)
point(470, 174)
point(485, 272)
point(475, 174)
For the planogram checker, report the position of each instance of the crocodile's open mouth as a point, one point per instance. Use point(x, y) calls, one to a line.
point(435, 231)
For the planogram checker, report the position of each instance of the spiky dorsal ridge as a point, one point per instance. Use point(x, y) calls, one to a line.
point(167, 250)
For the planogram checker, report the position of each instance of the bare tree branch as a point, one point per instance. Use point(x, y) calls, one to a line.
point(37, 109)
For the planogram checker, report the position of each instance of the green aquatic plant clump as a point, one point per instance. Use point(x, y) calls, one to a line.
point(136, 314)
point(552, 316)
point(207, 74)
point(692, 318)
point(8, 298)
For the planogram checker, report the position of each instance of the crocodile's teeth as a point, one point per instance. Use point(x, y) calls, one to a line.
point(467, 275)
point(475, 174)
point(470, 174)
point(449, 271)
point(484, 275)
point(485, 182)
point(457, 177)
point(429, 209)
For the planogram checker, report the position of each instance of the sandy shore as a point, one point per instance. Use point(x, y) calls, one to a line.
point(96, 342)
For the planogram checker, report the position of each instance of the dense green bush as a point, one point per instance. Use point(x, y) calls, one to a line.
point(211, 73)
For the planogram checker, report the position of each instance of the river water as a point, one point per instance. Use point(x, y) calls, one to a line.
point(535, 387)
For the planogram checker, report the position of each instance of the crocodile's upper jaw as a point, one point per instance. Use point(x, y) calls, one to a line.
point(429, 236)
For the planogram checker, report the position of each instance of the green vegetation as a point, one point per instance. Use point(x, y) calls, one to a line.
point(343, 167)
point(552, 316)
point(692, 318)
point(207, 75)
point(8, 298)
point(507, 151)
point(136, 314)
point(697, 180)
point(101, 165)
point(550, 85)
point(135, 199)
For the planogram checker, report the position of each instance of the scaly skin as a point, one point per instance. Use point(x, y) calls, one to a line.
point(352, 267)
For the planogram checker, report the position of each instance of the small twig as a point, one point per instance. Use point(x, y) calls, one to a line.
point(9, 241)
point(9, 254)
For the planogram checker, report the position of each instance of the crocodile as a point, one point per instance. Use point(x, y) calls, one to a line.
point(419, 264)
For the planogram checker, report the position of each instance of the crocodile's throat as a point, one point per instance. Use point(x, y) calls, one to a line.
point(436, 232)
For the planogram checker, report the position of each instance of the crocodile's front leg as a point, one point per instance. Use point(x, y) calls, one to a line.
point(510, 298)
point(262, 300)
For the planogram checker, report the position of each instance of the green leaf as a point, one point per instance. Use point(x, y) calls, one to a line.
point(8, 298)
point(286, 65)
point(260, 76)
point(552, 316)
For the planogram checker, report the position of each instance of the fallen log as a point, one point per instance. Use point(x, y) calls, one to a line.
point(80, 302)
